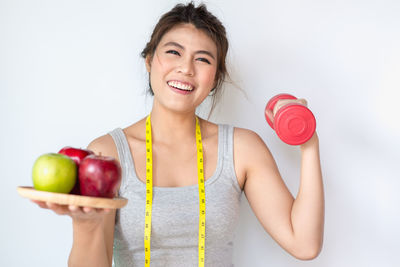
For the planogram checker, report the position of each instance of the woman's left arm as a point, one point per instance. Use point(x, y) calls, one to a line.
point(308, 208)
point(297, 224)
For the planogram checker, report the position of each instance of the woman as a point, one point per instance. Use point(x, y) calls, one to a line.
point(185, 59)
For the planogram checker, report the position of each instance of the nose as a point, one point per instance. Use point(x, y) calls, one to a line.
point(186, 66)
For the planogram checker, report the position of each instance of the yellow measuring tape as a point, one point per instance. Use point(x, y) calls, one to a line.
point(149, 193)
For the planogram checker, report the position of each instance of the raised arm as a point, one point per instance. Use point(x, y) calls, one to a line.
point(295, 224)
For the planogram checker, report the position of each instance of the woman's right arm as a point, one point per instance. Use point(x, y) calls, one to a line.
point(93, 234)
point(93, 229)
point(92, 238)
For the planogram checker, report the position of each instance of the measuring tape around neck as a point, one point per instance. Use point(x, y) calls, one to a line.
point(149, 193)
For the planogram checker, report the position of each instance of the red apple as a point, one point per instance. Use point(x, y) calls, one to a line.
point(99, 176)
point(77, 155)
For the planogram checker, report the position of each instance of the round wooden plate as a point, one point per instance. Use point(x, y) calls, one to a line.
point(70, 199)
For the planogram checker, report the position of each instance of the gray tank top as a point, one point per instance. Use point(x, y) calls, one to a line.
point(174, 232)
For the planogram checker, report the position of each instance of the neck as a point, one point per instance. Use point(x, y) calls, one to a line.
point(170, 127)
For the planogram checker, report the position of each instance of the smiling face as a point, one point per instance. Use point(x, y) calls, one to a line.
point(182, 69)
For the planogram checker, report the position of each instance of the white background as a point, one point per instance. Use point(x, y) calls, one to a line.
point(70, 71)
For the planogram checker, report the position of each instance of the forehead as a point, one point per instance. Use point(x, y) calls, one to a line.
point(190, 38)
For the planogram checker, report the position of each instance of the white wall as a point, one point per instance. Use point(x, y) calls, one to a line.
point(70, 71)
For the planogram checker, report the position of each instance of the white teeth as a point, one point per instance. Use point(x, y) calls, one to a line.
point(180, 85)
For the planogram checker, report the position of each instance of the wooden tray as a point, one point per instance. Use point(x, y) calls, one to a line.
point(70, 199)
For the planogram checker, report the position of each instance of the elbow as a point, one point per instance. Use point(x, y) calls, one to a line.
point(307, 253)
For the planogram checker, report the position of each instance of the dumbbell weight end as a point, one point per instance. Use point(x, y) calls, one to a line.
point(293, 123)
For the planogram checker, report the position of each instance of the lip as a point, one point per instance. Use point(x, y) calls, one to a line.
point(183, 92)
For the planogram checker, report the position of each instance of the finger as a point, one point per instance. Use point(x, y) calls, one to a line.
point(302, 101)
point(103, 211)
point(283, 102)
point(73, 207)
point(75, 210)
point(88, 210)
point(59, 209)
point(280, 103)
point(270, 115)
point(41, 204)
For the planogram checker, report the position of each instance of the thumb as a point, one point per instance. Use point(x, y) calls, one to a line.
point(270, 115)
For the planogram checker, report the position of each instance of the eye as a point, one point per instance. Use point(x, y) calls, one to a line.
point(204, 60)
point(173, 52)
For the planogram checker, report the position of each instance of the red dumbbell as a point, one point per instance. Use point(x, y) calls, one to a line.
point(293, 123)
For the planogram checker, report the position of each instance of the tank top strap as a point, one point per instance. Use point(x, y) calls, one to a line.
point(124, 154)
point(229, 165)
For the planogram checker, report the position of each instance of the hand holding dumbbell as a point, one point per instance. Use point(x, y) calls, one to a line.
point(292, 121)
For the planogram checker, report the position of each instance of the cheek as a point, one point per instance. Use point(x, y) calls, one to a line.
point(162, 62)
point(159, 67)
point(209, 77)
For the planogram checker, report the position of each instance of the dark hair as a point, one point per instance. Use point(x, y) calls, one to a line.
point(203, 20)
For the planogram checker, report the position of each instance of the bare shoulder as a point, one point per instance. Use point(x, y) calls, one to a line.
point(246, 136)
point(104, 145)
point(248, 140)
point(250, 153)
point(254, 150)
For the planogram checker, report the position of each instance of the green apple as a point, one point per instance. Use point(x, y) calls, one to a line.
point(54, 172)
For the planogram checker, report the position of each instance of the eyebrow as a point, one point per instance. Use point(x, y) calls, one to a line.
point(183, 48)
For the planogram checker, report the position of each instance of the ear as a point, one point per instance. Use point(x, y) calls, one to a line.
point(148, 63)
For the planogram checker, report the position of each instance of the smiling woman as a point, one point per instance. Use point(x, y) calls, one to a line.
point(184, 176)
point(183, 61)
point(204, 22)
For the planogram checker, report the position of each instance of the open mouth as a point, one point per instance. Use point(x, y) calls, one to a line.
point(186, 87)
